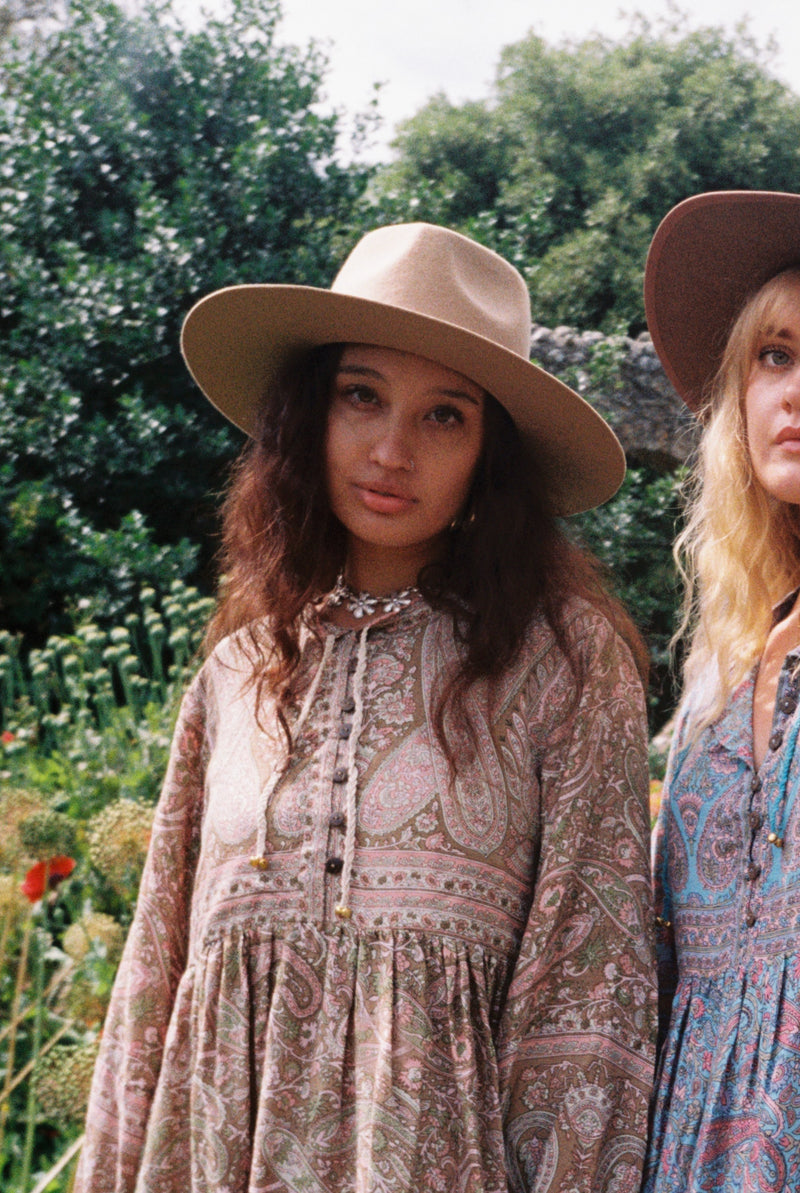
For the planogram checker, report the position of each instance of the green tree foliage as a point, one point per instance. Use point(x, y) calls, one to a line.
point(452, 161)
point(633, 536)
point(141, 165)
point(581, 149)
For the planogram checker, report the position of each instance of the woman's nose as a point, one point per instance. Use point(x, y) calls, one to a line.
point(790, 394)
point(393, 448)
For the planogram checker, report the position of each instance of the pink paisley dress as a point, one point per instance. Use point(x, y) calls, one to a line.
point(481, 1019)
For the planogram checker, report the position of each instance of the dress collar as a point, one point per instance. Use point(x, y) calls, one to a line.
point(419, 609)
point(733, 729)
point(784, 606)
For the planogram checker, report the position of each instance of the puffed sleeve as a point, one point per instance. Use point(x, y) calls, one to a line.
point(577, 1038)
point(151, 967)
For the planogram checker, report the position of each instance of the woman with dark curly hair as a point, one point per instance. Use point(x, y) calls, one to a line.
point(392, 930)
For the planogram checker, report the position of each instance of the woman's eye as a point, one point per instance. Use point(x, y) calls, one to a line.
point(359, 395)
point(777, 358)
point(446, 416)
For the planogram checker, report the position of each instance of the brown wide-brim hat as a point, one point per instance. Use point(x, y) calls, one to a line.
point(426, 290)
point(708, 256)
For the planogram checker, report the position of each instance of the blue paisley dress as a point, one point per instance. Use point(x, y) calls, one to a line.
point(727, 876)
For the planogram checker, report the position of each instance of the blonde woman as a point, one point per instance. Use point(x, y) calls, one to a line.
point(722, 293)
point(392, 934)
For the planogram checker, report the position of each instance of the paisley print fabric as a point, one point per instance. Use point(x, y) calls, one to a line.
point(482, 1021)
point(727, 1102)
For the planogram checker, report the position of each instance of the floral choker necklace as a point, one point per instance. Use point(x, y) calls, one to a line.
point(364, 604)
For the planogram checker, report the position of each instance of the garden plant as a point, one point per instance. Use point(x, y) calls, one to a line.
point(86, 726)
point(141, 165)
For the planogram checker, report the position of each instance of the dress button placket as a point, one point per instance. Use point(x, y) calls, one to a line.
point(761, 815)
point(755, 815)
point(786, 706)
point(337, 821)
point(752, 868)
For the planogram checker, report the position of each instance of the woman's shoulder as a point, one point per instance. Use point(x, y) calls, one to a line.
point(233, 660)
point(589, 629)
point(588, 616)
point(705, 714)
point(589, 651)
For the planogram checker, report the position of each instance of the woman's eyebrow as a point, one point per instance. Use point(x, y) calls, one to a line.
point(779, 333)
point(459, 393)
point(361, 371)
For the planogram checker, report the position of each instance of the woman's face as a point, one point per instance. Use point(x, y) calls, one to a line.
point(772, 401)
point(404, 436)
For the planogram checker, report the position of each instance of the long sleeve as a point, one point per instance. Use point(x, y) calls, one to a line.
point(152, 964)
point(576, 1045)
point(666, 958)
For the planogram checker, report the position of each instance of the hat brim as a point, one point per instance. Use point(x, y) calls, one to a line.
point(709, 254)
point(236, 342)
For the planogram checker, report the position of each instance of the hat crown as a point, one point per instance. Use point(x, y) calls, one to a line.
point(709, 254)
point(442, 275)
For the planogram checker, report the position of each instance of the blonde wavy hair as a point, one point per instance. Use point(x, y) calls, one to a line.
point(739, 552)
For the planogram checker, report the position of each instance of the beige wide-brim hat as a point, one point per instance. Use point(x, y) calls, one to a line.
point(709, 254)
point(421, 289)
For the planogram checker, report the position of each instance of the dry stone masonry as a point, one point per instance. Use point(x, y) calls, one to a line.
point(624, 381)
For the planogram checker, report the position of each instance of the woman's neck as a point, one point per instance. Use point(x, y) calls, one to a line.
point(380, 571)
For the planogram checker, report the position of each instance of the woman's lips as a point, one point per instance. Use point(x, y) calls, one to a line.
point(384, 501)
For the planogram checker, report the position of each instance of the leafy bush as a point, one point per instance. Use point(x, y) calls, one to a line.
point(633, 534)
point(141, 166)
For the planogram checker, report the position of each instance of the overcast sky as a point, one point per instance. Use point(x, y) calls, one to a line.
point(418, 47)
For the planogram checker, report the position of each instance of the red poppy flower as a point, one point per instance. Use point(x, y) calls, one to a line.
point(45, 876)
point(6, 737)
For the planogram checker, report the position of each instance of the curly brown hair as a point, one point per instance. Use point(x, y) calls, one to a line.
point(508, 560)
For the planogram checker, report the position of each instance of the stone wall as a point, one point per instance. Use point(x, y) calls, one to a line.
point(623, 379)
